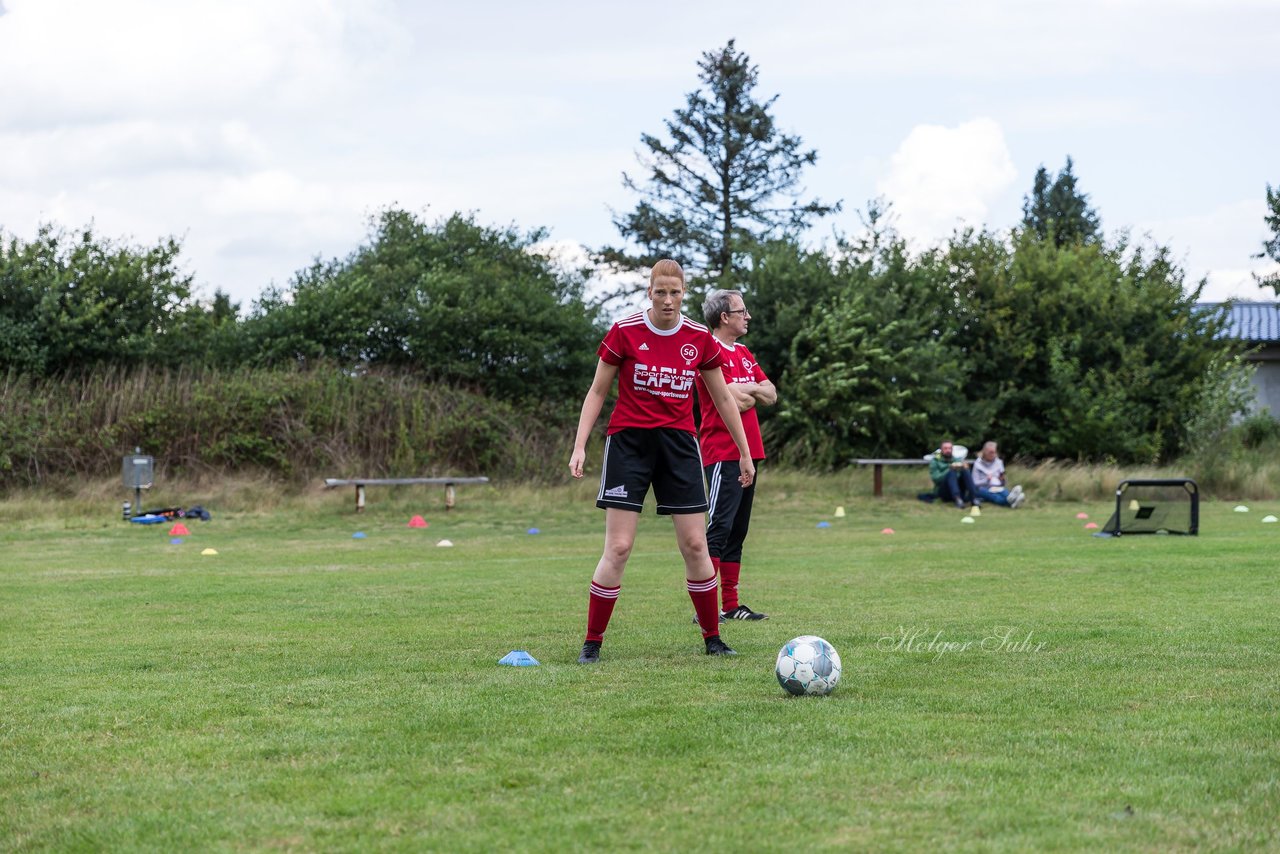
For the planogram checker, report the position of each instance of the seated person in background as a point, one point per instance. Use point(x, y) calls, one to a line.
point(989, 480)
point(951, 476)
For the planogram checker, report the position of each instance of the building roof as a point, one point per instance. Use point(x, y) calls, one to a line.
point(1256, 322)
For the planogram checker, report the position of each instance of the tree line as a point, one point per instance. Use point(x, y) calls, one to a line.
point(1052, 336)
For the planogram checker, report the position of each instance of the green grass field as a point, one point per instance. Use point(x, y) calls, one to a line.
point(1014, 684)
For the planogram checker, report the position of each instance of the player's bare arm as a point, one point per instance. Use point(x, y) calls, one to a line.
point(592, 405)
point(742, 395)
point(765, 393)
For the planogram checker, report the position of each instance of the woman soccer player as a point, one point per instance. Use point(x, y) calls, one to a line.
point(655, 355)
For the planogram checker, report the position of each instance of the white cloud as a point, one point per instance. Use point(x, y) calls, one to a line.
point(120, 149)
point(1072, 113)
point(208, 122)
point(942, 178)
point(1238, 284)
point(272, 191)
point(89, 61)
point(1009, 41)
point(1222, 244)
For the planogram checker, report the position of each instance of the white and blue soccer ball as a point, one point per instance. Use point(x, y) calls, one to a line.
point(808, 665)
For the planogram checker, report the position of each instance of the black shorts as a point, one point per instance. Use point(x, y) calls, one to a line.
point(664, 458)
point(730, 511)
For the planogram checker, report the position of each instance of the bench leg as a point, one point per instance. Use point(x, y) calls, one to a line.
point(359, 497)
point(878, 481)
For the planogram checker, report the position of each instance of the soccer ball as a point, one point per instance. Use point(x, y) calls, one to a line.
point(808, 665)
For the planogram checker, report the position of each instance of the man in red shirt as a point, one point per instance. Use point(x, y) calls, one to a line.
point(655, 355)
point(730, 513)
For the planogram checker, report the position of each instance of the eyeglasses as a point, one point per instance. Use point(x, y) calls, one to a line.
point(737, 311)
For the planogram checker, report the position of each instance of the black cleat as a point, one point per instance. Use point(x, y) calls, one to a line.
point(715, 646)
point(590, 653)
point(742, 612)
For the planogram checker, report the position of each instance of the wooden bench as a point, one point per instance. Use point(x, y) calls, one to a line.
point(361, 482)
point(878, 476)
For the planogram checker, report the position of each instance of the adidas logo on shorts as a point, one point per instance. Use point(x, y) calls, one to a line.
point(616, 492)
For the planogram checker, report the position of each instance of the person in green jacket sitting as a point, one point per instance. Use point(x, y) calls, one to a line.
point(951, 477)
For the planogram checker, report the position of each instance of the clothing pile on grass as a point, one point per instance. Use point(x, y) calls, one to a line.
point(168, 514)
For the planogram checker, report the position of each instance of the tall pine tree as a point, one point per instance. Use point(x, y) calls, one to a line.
point(725, 179)
point(1055, 207)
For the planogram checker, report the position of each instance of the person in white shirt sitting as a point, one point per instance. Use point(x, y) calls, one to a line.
point(989, 480)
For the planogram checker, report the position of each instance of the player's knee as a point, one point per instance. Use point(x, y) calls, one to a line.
point(617, 551)
point(693, 547)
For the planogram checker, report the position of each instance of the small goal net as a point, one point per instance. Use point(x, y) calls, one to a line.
point(1169, 506)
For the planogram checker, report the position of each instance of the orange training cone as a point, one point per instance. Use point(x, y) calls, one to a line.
point(179, 530)
point(417, 522)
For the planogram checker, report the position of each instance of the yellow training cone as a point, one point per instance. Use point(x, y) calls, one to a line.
point(974, 511)
point(840, 512)
point(1134, 505)
point(209, 552)
point(967, 520)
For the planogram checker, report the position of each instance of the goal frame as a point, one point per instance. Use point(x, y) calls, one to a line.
point(1115, 525)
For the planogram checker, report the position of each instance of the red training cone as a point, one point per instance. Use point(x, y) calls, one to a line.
point(417, 522)
point(179, 530)
point(887, 531)
point(1091, 526)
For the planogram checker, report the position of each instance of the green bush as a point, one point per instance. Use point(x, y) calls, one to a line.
point(71, 300)
point(1085, 351)
point(1259, 430)
point(454, 301)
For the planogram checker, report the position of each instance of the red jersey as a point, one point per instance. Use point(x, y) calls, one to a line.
point(717, 445)
point(656, 371)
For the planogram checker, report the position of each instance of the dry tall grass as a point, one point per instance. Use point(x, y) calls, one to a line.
point(1256, 478)
point(1252, 476)
point(294, 424)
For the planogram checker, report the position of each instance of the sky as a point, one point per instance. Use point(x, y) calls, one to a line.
point(263, 134)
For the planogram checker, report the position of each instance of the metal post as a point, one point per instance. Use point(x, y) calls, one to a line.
point(448, 496)
point(359, 497)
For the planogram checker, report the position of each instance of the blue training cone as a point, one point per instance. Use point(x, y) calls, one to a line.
point(518, 658)
point(358, 535)
point(534, 531)
point(824, 524)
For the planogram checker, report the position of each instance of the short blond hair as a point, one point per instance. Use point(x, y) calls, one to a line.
point(666, 268)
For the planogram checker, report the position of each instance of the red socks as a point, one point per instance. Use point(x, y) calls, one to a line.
point(729, 584)
point(600, 609)
point(703, 594)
